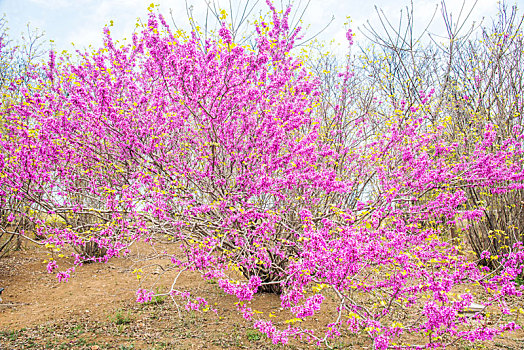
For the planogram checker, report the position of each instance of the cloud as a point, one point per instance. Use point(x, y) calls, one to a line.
point(51, 3)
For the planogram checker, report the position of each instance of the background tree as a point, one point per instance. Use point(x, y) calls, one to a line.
point(18, 70)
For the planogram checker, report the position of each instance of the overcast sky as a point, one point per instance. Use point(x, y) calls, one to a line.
point(81, 21)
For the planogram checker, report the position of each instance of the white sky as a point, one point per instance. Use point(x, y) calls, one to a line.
point(81, 21)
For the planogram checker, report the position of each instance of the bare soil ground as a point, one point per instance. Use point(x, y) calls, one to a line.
point(96, 310)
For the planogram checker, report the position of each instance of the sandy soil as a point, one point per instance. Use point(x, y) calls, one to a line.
point(96, 310)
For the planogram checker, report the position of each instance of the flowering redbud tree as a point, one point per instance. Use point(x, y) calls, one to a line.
point(218, 151)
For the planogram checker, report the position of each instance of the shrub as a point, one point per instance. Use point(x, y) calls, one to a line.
point(217, 147)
